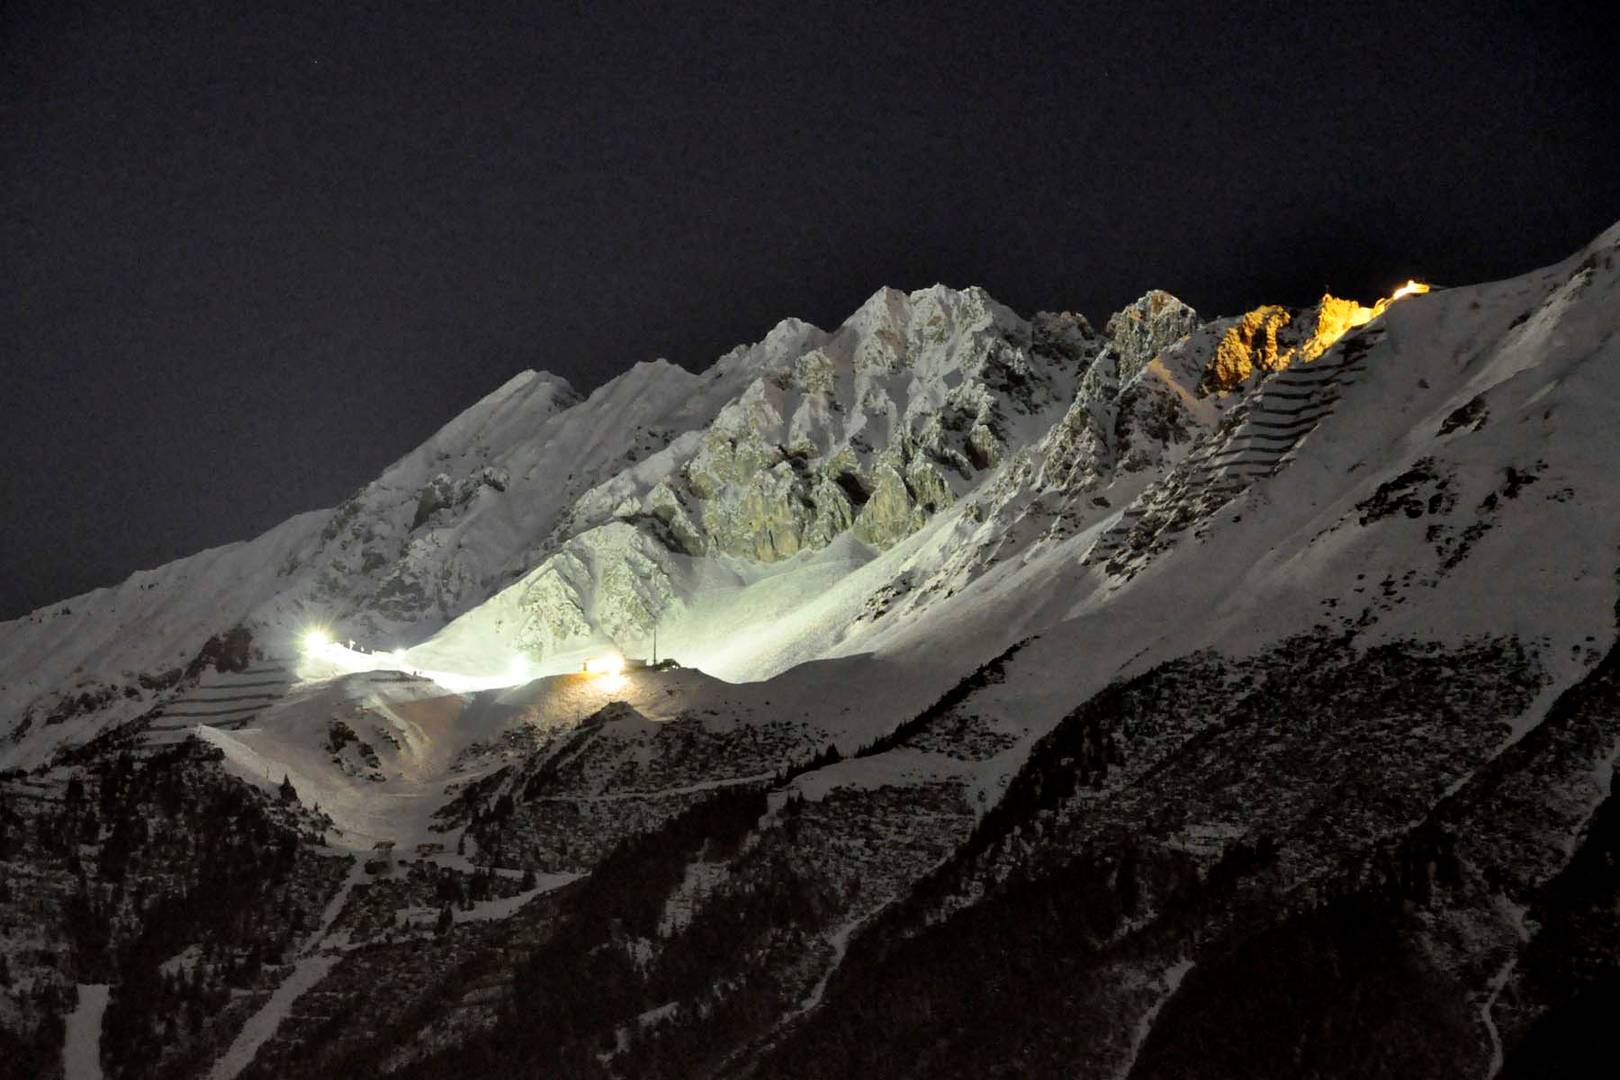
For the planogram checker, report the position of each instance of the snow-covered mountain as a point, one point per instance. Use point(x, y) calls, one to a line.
point(1121, 669)
point(589, 521)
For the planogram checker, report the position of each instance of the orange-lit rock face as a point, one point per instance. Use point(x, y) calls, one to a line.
point(1337, 317)
point(1334, 319)
point(1251, 344)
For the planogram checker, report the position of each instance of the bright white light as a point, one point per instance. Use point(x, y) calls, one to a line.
point(606, 671)
point(316, 640)
point(520, 668)
point(398, 657)
point(606, 664)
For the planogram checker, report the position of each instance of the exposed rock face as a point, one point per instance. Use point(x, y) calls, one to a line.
point(1116, 400)
point(614, 580)
point(1334, 319)
point(869, 431)
point(1251, 345)
point(876, 429)
point(1270, 337)
point(1142, 330)
point(894, 509)
point(1160, 382)
point(1139, 405)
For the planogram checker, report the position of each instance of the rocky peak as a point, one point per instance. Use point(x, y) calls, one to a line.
point(1146, 327)
point(867, 432)
point(929, 331)
point(785, 341)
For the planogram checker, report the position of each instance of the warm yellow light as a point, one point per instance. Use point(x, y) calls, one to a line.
point(1336, 317)
point(316, 639)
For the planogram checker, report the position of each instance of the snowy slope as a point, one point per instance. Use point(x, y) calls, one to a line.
point(94, 648)
point(432, 535)
point(1458, 485)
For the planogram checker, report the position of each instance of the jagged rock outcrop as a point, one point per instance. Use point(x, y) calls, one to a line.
point(1251, 345)
point(1270, 337)
point(614, 582)
point(875, 429)
point(1137, 407)
point(1116, 401)
point(1146, 327)
point(868, 431)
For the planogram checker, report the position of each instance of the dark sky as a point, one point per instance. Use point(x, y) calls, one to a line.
point(252, 252)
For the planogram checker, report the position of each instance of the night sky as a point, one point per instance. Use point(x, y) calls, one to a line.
point(252, 252)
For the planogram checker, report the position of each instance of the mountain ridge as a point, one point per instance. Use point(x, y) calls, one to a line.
point(1228, 666)
point(386, 541)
